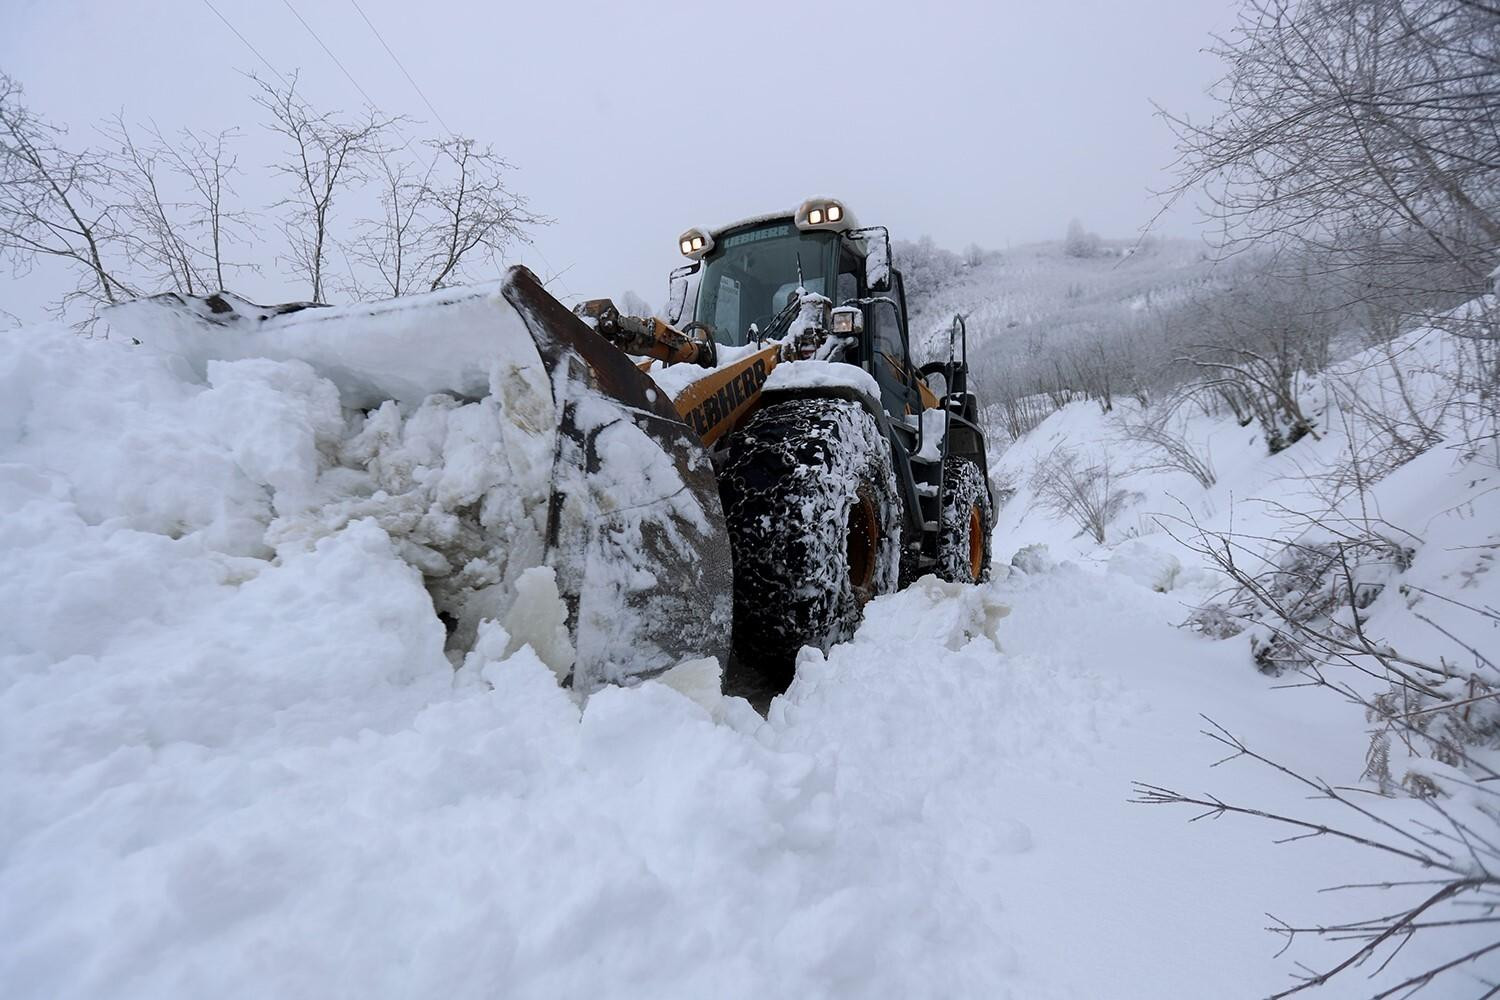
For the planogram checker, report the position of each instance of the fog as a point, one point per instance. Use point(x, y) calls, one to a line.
point(988, 123)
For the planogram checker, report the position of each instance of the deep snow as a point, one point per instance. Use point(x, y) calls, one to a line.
point(237, 762)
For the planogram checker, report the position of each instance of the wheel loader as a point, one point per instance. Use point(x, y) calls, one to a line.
point(735, 480)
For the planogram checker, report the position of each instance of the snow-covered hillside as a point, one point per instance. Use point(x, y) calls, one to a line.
point(237, 762)
point(1016, 299)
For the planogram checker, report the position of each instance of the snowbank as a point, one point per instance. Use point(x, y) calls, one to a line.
point(237, 762)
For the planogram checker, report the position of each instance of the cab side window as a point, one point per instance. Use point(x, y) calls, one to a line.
point(888, 351)
point(848, 288)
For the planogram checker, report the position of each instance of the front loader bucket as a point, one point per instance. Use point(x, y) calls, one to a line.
point(627, 514)
point(635, 531)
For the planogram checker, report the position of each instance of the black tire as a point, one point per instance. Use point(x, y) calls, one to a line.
point(966, 520)
point(814, 527)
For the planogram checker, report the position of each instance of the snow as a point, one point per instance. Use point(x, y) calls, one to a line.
point(811, 374)
point(1146, 565)
point(238, 760)
point(673, 379)
point(934, 428)
point(478, 331)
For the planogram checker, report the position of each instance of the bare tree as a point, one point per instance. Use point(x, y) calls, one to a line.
point(438, 221)
point(1366, 133)
point(174, 205)
point(390, 246)
point(207, 164)
point(56, 204)
point(476, 215)
point(326, 154)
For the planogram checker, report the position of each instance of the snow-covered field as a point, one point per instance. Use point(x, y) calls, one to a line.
point(236, 761)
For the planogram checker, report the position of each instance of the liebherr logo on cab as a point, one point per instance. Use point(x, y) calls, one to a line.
point(729, 398)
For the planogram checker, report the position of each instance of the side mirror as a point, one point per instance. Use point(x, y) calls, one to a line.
point(677, 292)
point(877, 240)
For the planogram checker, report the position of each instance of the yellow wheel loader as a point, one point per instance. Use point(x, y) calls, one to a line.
point(735, 480)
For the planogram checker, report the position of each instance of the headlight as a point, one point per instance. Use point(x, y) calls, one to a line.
point(823, 213)
point(848, 321)
point(695, 243)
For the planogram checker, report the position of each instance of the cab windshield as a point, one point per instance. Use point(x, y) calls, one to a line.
point(752, 274)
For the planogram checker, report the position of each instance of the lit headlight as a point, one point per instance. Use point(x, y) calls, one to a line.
point(848, 321)
point(695, 243)
point(823, 213)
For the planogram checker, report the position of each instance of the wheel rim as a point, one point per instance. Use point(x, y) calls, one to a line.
point(861, 543)
point(976, 543)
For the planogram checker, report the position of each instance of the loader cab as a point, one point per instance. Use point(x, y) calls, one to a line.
point(753, 272)
point(749, 271)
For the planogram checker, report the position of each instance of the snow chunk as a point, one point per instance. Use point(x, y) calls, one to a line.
point(1033, 559)
point(539, 619)
point(701, 680)
point(1146, 564)
point(945, 614)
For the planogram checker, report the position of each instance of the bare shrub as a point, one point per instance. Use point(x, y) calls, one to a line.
point(1170, 446)
point(1455, 883)
point(1264, 340)
point(1024, 413)
point(1305, 591)
point(1088, 494)
point(1079, 242)
point(1305, 605)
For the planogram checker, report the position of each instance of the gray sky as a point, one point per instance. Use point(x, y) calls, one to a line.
point(972, 122)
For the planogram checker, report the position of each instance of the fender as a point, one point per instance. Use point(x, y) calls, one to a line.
point(906, 483)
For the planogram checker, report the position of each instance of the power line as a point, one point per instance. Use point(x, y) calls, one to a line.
point(242, 38)
point(368, 99)
point(402, 68)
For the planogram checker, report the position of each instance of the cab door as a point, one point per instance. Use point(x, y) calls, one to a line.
point(890, 354)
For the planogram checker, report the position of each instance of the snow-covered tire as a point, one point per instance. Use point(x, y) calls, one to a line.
point(814, 526)
point(964, 531)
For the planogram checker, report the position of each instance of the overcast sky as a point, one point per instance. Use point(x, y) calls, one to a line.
point(992, 123)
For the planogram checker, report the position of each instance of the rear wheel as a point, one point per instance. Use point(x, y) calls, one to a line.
point(814, 527)
point(966, 520)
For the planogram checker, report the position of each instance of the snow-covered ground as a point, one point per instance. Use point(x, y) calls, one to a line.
point(236, 761)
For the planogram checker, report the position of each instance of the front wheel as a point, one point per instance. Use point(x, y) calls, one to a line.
point(814, 521)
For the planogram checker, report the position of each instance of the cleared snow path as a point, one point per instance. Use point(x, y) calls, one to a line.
point(229, 770)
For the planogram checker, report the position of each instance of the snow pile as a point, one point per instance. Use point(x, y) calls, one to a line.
point(237, 760)
point(214, 440)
